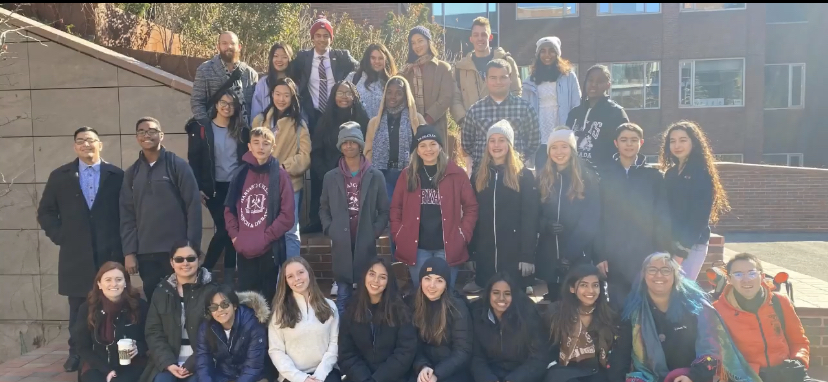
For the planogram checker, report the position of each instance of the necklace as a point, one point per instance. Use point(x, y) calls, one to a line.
point(430, 177)
point(586, 313)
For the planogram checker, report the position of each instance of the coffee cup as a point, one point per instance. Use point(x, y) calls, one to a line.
point(124, 346)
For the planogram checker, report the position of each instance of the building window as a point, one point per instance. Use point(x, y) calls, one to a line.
point(628, 8)
point(712, 83)
point(527, 11)
point(781, 13)
point(651, 158)
point(457, 18)
point(784, 86)
point(689, 7)
point(784, 159)
point(635, 85)
point(525, 71)
point(733, 158)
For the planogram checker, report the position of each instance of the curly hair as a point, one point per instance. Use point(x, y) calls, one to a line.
point(700, 152)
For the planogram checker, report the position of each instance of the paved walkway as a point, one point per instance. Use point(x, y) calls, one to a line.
point(41, 365)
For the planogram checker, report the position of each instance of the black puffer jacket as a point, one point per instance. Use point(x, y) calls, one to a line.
point(449, 359)
point(375, 352)
point(201, 152)
point(104, 357)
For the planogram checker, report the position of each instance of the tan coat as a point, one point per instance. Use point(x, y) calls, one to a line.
point(374, 123)
point(472, 87)
point(295, 160)
point(438, 86)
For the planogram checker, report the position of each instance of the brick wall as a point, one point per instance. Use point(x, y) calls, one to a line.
point(774, 198)
point(815, 322)
point(373, 14)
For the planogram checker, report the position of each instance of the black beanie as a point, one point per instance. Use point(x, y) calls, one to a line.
point(426, 132)
point(436, 266)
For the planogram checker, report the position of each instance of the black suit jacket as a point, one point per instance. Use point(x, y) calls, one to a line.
point(342, 64)
point(87, 237)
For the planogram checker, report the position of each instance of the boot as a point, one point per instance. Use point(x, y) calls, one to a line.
point(229, 276)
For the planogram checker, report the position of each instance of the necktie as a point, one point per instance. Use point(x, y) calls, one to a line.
point(323, 84)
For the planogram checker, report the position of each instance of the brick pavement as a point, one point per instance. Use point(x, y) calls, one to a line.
point(40, 365)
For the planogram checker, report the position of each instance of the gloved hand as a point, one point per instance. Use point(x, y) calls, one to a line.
point(526, 269)
point(557, 228)
point(677, 250)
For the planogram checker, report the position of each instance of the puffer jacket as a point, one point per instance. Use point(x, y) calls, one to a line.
point(760, 337)
point(241, 357)
point(449, 359)
point(471, 87)
point(375, 351)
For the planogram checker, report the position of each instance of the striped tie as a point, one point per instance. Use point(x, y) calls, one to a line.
point(323, 85)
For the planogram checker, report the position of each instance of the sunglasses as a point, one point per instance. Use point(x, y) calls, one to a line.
point(214, 307)
point(666, 271)
point(189, 259)
point(749, 275)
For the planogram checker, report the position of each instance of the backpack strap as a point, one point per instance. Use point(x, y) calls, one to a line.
point(777, 308)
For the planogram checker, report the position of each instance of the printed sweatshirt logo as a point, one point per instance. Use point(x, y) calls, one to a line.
point(254, 205)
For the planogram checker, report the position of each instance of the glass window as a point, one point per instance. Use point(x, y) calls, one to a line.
point(712, 83)
point(546, 10)
point(628, 8)
point(784, 86)
point(710, 6)
point(635, 85)
point(733, 158)
point(783, 159)
point(786, 13)
point(457, 20)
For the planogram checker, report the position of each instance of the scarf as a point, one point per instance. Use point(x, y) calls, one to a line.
point(382, 141)
point(713, 346)
point(417, 85)
point(106, 329)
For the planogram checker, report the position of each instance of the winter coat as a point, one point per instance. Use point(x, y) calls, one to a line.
point(580, 219)
point(325, 153)
point(596, 137)
point(373, 218)
point(241, 357)
point(341, 64)
point(102, 356)
point(87, 237)
point(471, 87)
point(498, 357)
point(761, 337)
point(690, 196)
point(569, 96)
point(458, 207)
point(450, 359)
point(163, 326)
point(279, 210)
point(507, 224)
point(438, 86)
point(159, 205)
point(415, 118)
point(201, 152)
point(376, 352)
point(633, 206)
point(209, 77)
point(292, 151)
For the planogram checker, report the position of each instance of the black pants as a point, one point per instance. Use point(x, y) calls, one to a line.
point(259, 274)
point(221, 240)
point(334, 376)
point(129, 373)
point(74, 304)
point(153, 267)
point(315, 196)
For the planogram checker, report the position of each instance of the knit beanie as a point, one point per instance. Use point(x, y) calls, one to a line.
point(322, 23)
point(350, 132)
point(562, 134)
point(436, 266)
point(502, 127)
point(426, 132)
point(556, 44)
point(419, 29)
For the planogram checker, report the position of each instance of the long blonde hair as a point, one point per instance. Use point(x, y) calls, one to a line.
point(414, 163)
point(513, 167)
point(549, 177)
point(286, 312)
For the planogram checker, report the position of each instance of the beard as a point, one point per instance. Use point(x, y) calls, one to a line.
point(228, 55)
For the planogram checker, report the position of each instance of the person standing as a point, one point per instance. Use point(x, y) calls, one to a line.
point(375, 68)
point(354, 211)
point(279, 66)
point(160, 204)
point(552, 89)
point(76, 212)
point(218, 72)
point(430, 78)
point(498, 105)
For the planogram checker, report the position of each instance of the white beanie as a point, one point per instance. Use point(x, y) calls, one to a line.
point(562, 134)
point(504, 128)
point(556, 44)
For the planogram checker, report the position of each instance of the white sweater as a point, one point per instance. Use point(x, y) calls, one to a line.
point(307, 350)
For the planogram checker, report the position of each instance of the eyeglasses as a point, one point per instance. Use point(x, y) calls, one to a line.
point(189, 259)
point(81, 141)
point(347, 94)
point(214, 307)
point(148, 133)
point(749, 275)
point(665, 271)
point(226, 104)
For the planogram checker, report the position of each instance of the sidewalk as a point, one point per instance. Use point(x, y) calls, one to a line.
point(41, 365)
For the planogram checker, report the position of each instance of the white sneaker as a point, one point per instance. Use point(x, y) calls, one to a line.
point(334, 289)
point(472, 287)
point(530, 291)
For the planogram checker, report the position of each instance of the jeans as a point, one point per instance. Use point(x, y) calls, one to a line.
point(165, 376)
point(74, 304)
point(292, 241)
point(343, 295)
point(692, 265)
point(221, 240)
point(153, 267)
point(422, 256)
point(391, 177)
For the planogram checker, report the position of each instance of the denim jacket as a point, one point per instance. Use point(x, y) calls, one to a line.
point(569, 95)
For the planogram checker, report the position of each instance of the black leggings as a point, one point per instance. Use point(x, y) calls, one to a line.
point(124, 374)
point(221, 240)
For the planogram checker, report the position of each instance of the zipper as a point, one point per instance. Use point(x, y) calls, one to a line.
point(398, 232)
point(560, 194)
point(764, 340)
point(494, 205)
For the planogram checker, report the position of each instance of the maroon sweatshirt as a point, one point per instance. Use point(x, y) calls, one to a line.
point(353, 183)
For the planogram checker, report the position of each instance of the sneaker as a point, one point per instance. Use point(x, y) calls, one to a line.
point(334, 289)
point(472, 287)
point(530, 291)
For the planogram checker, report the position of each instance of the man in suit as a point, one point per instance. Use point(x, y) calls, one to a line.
point(79, 213)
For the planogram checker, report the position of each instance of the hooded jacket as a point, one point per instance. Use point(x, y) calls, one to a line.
point(376, 352)
point(760, 337)
point(415, 118)
point(595, 129)
point(292, 147)
point(259, 208)
point(201, 154)
point(241, 357)
point(471, 87)
point(458, 208)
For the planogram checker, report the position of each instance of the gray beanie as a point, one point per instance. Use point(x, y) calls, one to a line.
point(350, 132)
point(553, 40)
point(502, 127)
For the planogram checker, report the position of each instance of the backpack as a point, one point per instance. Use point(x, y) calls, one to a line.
point(777, 308)
point(171, 172)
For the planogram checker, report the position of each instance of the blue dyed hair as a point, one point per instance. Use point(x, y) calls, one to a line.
point(685, 298)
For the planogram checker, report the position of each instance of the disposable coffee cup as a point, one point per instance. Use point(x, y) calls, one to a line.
point(124, 346)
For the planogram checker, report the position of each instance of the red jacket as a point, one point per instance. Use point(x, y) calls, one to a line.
point(759, 336)
point(457, 205)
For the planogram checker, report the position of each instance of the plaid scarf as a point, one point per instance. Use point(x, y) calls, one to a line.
point(417, 84)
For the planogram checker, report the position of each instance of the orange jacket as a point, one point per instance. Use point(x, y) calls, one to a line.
point(759, 336)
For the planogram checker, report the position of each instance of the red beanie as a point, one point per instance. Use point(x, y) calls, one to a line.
point(322, 23)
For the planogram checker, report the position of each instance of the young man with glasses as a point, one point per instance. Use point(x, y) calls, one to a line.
point(160, 205)
point(79, 213)
point(763, 324)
